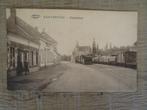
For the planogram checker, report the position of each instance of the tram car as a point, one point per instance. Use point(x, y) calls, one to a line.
point(84, 59)
point(125, 59)
point(111, 60)
point(95, 59)
point(130, 59)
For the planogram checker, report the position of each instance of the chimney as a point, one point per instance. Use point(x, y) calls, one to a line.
point(13, 15)
point(12, 20)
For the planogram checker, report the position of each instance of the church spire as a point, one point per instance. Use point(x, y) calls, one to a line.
point(94, 47)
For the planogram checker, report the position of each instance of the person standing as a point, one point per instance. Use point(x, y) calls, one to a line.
point(19, 64)
point(26, 68)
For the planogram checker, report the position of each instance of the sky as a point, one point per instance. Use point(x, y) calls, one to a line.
point(70, 26)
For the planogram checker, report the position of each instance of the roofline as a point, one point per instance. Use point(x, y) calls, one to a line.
point(26, 33)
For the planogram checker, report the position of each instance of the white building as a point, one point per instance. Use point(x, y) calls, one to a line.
point(48, 50)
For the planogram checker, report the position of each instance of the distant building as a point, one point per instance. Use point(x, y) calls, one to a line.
point(80, 50)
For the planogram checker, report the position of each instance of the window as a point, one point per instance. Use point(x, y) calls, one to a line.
point(37, 58)
point(32, 58)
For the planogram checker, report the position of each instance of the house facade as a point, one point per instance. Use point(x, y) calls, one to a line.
point(48, 50)
point(20, 51)
point(26, 44)
point(23, 46)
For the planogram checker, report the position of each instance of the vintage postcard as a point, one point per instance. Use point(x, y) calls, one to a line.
point(61, 50)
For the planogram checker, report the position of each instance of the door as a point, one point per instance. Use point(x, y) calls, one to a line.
point(19, 63)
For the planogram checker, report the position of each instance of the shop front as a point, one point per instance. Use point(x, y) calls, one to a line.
point(20, 58)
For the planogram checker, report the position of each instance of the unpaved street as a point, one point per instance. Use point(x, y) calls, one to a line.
point(94, 78)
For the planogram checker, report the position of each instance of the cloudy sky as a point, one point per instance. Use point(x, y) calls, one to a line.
point(69, 26)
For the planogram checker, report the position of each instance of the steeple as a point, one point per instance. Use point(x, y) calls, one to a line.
point(94, 47)
point(12, 20)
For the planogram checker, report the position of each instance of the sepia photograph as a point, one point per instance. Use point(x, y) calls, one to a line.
point(66, 50)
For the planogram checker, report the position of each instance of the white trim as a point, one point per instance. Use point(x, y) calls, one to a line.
point(20, 40)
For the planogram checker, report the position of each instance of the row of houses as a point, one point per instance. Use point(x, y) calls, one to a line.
point(27, 44)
